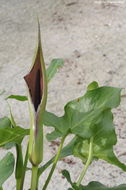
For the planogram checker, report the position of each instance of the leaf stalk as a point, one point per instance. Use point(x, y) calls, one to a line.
point(24, 170)
point(19, 166)
point(87, 163)
point(54, 163)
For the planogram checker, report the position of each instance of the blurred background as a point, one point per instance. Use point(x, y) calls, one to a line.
point(90, 35)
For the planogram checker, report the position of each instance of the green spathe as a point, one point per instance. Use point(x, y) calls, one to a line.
point(37, 96)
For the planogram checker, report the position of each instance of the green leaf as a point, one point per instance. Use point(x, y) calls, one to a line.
point(98, 186)
point(94, 185)
point(104, 138)
point(87, 110)
point(81, 113)
point(51, 119)
point(9, 145)
point(17, 97)
point(53, 67)
point(5, 123)
point(11, 125)
point(15, 135)
point(92, 86)
point(90, 116)
point(66, 174)
point(6, 167)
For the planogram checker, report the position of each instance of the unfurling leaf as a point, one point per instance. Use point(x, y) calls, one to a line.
point(6, 167)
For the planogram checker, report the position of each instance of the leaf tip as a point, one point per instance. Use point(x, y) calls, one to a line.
point(93, 85)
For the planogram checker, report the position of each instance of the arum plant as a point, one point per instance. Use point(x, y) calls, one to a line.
point(36, 82)
point(88, 118)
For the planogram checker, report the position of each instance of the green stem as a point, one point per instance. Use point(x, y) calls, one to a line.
point(24, 170)
point(18, 184)
point(34, 180)
point(63, 154)
point(19, 166)
point(54, 163)
point(87, 163)
point(45, 166)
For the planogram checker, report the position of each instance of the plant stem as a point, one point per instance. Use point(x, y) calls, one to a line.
point(18, 184)
point(19, 166)
point(87, 163)
point(54, 163)
point(34, 180)
point(45, 166)
point(24, 170)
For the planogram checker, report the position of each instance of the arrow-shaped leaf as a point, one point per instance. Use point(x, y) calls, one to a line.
point(81, 113)
point(104, 138)
point(90, 116)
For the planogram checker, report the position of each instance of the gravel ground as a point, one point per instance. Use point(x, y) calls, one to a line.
point(91, 37)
